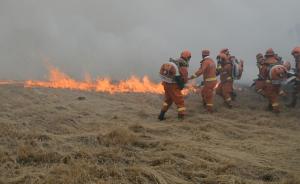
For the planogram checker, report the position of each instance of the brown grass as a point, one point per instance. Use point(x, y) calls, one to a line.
point(29, 155)
point(55, 136)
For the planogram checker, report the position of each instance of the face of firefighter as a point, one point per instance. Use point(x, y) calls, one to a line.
point(260, 61)
point(188, 59)
point(223, 62)
point(258, 65)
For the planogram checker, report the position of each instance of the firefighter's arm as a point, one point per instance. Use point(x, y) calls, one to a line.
point(219, 69)
point(200, 71)
point(229, 70)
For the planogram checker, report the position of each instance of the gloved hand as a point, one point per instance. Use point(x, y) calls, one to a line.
point(192, 77)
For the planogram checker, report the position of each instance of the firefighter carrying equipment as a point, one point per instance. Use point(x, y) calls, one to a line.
point(170, 73)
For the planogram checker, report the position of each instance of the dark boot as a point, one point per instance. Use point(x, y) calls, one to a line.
point(270, 107)
point(161, 116)
point(293, 103)
point(233, 96)
point(181, 116)
point(228, 104)
point(276, 111)
point(209, 109)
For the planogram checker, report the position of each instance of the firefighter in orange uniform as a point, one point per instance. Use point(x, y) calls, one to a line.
point(260, 81)
point(273, 72)
point(225, 87)
point(227, 54)
point(208, 70)
point(174, 75)
point(296, 54)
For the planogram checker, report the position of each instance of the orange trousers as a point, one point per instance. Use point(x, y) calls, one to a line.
point(259, 87)
point(272, 93)
point(173, 94)
point(225, 90)
point(208, 94)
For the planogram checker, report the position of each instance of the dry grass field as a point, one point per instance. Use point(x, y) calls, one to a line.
point(52, 136)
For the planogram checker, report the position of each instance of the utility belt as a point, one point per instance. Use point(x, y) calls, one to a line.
point(228, 79)
point(211, 79)
point(268, 81)
point(275, 82)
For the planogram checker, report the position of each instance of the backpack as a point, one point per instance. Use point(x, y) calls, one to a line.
point(168, 72)
point(237, 69)
point(277, 73)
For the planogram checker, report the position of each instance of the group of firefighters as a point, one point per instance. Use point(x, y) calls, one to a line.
point(272, 71)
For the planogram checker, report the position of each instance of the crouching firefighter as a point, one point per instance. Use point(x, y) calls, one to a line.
point(208, 70)
point(174, 75)
point(296, 90)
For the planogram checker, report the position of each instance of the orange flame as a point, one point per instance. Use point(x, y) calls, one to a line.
point(57, 79)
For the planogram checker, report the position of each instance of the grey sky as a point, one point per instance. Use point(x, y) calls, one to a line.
point(119, 38)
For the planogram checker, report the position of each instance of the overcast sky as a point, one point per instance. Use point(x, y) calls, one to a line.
point(119, 38)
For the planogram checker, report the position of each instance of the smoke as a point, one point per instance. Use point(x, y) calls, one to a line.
point(119, 38)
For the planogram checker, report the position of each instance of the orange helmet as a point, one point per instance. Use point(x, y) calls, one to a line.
point(287, 65)
point(270, 52)
point(296, 51)
point(186, 54)
point(223, 56)
point(205, 52)
point(225, 51)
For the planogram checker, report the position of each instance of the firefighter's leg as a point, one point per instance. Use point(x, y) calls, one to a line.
point(203, 94)
point(166, 103)
point(209, 100)
point(274, 99)
point(178, 99)
point(295, 92)
point(259, 88)
point(268, 94)
point(219, 90)
point(227, 90)
point(209, 96)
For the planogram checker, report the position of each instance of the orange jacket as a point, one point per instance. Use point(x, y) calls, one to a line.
point(261, 72)
point(208, 69)
point(183, 70)
point(265, 69)
point(226, 72)
point(271, 60)
point(264, 72)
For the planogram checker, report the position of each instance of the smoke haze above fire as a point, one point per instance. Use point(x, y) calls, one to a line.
point(120, 38)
